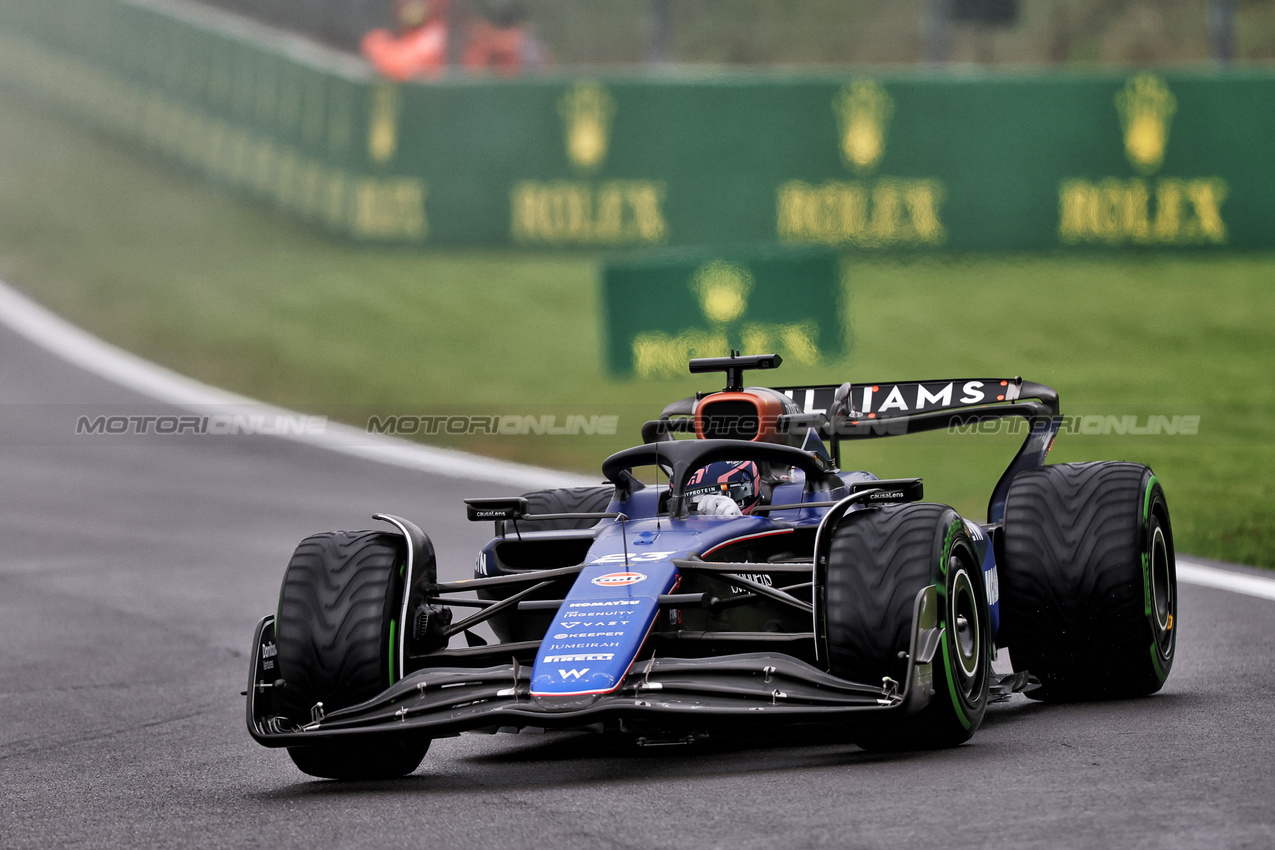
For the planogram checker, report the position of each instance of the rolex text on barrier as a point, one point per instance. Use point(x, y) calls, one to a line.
point(663, 309)
point(858, 162)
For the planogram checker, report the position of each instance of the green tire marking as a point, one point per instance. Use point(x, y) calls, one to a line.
point(1146, 584)
point(952, 531)
point(948, 538)
point(1156, 664)
point(393, 629)
point(951, 686)
point(1146, 556)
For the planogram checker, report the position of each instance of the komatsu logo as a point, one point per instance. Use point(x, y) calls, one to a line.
point(608, 603)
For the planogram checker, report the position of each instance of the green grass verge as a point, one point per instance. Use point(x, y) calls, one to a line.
point(225, 292)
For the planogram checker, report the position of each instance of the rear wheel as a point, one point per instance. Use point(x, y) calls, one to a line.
point(337, 633)
point(878, 561)
point(1089, 584)
point(513, 626)
point(573, 500)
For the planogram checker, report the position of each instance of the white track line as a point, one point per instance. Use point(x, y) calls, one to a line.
point(1189, 572)
point(82, 349)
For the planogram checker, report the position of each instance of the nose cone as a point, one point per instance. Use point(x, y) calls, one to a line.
point(598, 631)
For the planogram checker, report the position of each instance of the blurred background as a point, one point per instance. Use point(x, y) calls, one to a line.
point(769, 33)
point(376, 209)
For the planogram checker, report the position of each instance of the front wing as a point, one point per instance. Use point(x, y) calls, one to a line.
point(750, 689)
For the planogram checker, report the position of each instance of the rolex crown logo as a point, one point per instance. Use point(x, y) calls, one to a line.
point(586, 112)
point(863, 113)
point(382, 133)
point(1146, 106)
point(722, 289)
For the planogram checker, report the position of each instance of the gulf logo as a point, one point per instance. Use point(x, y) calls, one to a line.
point(619, 579)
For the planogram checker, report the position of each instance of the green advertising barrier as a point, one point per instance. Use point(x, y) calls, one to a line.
point(853, 161)
point(280, 119)
point(661, 309)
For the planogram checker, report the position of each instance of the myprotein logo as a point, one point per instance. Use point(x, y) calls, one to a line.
point(619, 579)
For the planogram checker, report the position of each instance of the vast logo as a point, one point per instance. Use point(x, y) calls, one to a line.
point(869, 212)
point(1143, 210)
point(619, 579)
point(588, 212)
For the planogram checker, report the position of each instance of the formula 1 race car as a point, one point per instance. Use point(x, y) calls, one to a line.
point(758, 586)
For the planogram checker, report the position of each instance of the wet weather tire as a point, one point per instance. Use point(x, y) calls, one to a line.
point(879, 559)
point(358, 760)
point(336, 631)
point(1089, 582)
point(512, 626)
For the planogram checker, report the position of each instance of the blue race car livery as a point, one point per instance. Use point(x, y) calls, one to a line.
point(759, 585)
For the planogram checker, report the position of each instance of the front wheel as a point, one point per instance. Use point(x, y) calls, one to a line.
point(878, 561)
point(356, 760)
point(337, 634)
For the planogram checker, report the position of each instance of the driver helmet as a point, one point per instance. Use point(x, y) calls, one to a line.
point(737, 479)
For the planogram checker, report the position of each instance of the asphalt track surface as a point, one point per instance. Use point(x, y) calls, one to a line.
point(132, 572)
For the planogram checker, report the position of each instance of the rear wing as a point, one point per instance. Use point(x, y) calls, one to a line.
point(847, 411)
point(894, 399)
point(886, 409)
